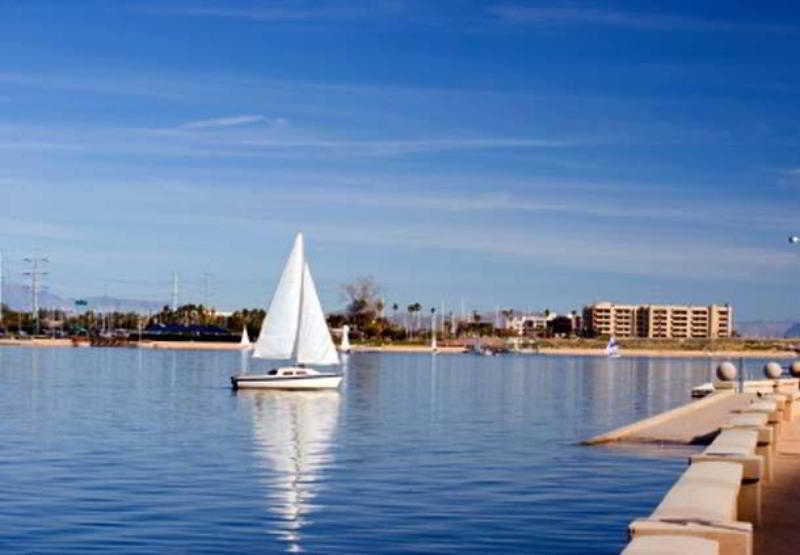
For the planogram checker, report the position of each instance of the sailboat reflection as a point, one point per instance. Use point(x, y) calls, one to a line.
point(293, 432)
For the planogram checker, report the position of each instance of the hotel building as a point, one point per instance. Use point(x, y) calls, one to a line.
point(658, 321)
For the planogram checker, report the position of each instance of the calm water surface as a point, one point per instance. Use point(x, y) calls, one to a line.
point(146, 451)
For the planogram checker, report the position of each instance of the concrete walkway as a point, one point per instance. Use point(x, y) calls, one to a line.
point(779, 533)
point(695, 427)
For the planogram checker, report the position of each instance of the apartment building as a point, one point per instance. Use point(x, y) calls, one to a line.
point(658, 321)
point(619, 320)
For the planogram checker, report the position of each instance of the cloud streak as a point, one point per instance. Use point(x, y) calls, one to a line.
point(578, 15)
point(230, 121)
point(281, 11)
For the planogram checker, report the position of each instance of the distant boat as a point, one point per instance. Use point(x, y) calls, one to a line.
point(244, 342)
point(294, 329)
point(478, 349)
point(344, 345)
point(612, 348)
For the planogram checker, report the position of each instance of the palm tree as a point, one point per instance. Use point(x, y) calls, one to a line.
point(417, 310)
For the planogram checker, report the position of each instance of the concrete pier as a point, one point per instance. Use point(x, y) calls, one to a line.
point(697, 422)
point(741, 492)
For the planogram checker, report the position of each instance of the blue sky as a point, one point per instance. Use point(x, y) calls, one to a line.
point(527, 154)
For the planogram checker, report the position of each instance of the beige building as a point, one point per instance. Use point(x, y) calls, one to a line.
point(530, 324)
point(658, 321)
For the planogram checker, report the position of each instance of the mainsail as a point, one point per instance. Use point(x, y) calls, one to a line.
point(345, 344)
point(245, 341)
point(279, 331)
point(295, 325)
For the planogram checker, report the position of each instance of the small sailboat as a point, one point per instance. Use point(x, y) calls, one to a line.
point(244, 342)
point(612, 348)
point(344, 345)
point(295, 329)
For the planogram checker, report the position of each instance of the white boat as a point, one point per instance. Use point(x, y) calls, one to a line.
point(344, 345)
point(479, 349)
point(294, 329)
point(703, 390)
point(612, 348)
point(244, 342)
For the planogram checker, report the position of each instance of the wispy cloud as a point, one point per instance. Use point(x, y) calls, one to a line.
point(223, 122)
point(574, 14)
point(112, 83)
point(281, 11)
point(549, 248)
point(789, 177)
point(233, 137)
point(20, 227)
point(402, 147)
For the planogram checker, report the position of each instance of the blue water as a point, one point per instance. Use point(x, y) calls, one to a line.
point(143, 451)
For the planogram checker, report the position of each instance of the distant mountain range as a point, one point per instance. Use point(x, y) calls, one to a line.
point(18, 297)
point(768, 329)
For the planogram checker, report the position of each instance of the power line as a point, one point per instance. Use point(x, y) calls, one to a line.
point(35, 273)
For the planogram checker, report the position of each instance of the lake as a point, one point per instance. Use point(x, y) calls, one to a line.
point(142, 451)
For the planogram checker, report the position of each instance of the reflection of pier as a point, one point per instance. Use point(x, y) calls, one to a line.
point(293, 432)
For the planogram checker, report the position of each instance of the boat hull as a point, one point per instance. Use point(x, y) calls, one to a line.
point(320, 381)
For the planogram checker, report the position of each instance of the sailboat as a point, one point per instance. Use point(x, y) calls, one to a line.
point(612, 348)
point(244, 342)
point(295, 329)
point(344, 346)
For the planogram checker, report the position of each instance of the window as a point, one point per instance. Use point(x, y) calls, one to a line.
point(272, 373)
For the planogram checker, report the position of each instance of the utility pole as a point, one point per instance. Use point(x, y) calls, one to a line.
point(35, 273)
point(174, 291)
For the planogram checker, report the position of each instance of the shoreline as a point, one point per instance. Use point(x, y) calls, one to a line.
point(551, 351)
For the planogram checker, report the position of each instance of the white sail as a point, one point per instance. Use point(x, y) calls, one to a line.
point(279, 331)
point(433, 332)
point(245, 340)
point(345, 344)
point(314, 344)
point(612, 348)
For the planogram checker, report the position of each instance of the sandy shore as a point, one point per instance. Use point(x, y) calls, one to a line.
point(565, 351)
